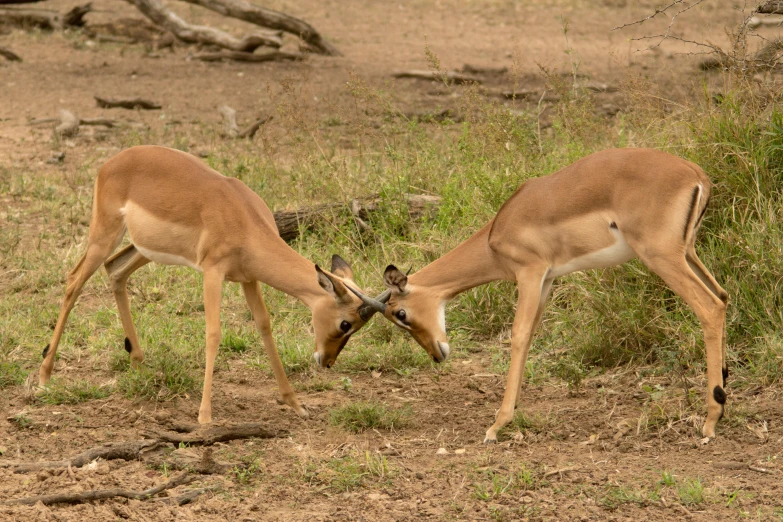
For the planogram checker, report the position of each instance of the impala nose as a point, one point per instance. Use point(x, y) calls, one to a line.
point(444, 349)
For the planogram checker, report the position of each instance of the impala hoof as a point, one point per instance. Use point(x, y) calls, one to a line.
point(490, 440)
point(705, 440)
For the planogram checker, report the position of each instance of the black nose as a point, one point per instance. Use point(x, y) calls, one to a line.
point(435, 359)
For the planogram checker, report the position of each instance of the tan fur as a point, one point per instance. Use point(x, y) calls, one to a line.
point(177, 210)
point(563, 222)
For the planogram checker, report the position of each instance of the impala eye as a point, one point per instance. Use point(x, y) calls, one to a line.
point(345, 326)
point(400, 315)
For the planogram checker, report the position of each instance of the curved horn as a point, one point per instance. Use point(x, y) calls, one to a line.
point(384, 296)
point(370, 306)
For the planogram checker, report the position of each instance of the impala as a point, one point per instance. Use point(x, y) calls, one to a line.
point(178, 211)
point(603, 210)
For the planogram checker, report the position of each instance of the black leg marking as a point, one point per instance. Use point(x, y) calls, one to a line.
point(46, 350)
point(725, 375)
point(694, 200)
point(719, 395)
point(613, 225)
point(128, 347)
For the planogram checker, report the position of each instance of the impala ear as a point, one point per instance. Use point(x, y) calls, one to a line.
point(395, 280)
point(333, 286)
point(341, 267)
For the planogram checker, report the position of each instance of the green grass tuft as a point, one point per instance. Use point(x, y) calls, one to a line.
point(361, 416)
point(72, 392)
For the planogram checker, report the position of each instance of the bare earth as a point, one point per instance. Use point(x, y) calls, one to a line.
point(606, 434)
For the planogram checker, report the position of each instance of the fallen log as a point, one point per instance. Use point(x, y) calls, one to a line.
point(164, 17)
point(771, 7)
point(9, 55)
point(290, 222)
point(238, 56)
point(451, 76)
point(101, 494)
point(31, 19)
point(213, 435)
point(120, 451)
point(126, 103)
point(271, 19)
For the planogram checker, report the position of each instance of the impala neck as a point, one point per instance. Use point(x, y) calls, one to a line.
point(281, 267)
point(470, 264)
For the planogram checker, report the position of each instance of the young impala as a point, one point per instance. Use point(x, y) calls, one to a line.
point(178, 211)
point(603, 210)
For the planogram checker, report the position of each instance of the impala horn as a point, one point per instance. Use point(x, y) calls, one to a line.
point(371, 306)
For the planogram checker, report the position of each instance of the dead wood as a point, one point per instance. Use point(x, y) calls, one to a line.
point(5, 2)
point(69, 124)
point(230, 127)
point(272, 20)
point(755, 22)
point(186, 498)
point(126, 103)
point(478, 69)
point(75, 17)
point(238, 56)
point(120, 451)
point(9, 55)
point(31, 19)
point(164, 17)
point(290, 222)
point(189, 458)
point(101, 494)
point(106, 122)
point(451, 76)
point(219, 434)
point(771, 7)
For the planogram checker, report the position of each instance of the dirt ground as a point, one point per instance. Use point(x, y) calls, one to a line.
point(597, 454)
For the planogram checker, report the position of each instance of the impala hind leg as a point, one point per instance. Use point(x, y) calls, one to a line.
point(709, 305)
point(100, 244)
point(255, 301)
point(533, 290)
point(213, 289)
point(119, 267)
point(701, 271)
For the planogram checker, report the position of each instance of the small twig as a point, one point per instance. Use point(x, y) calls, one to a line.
point(122, 451)
point(238, 56)
point(101, 494)
point(253, 128)
point(9, 55)
point(453, 76)
point(126, 103)
point(760, 470)
point(560, 471)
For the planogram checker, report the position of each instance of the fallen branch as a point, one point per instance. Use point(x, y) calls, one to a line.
point(75, 17)
point(231, 129)
point(164, 17)
point(121, 451)
point(126, 103)
point(101, 494)
point(477, 69)
point(560, 471)
point(3, 2)
point(9, 55)
point(45, 19)
point(771, 7)
point(213, 435)
point(238, 56)
point(290, 222)
point(272, 20)
point(452, 76)
point(187, 497)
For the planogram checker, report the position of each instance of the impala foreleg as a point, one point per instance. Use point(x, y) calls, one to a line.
point(533, 290)
point(257, 306)
point(213, 289)
point(119, 267)
point(709, 305)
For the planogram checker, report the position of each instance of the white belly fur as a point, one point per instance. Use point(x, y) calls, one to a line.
point(166, 259)
point(617, 254)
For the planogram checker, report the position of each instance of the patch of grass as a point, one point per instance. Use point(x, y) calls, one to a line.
point(397, 356)
point(234, 343)
point(315, 385)
point(361, 416)
point(522, 422)
point(351, 472)
point(616, 496)
point(248, 471)
point(690, 491)
point(167, 372)
point(11, 374)
point(72, 392)
point(667, 479)
point(494, 484)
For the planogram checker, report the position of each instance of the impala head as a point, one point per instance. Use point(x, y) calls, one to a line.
point(417, 310)
point(339, 313)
